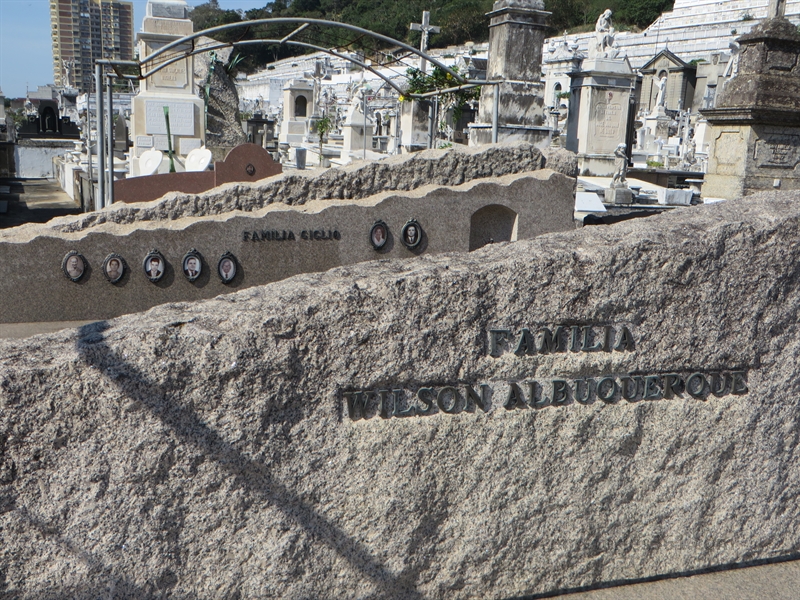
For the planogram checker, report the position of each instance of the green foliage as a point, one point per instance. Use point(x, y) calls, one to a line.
point(572, 14)
point(459, 20)
point(563, 94)
point(654, 164)
point(324, 127)
point(439, 79)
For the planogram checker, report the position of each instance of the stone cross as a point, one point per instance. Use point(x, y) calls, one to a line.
point(777, 9)
point(426, 28)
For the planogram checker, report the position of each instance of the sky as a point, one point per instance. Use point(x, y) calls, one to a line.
point(26, 52)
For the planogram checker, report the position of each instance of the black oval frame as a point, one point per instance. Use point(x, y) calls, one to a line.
point(385, 237)
point(122, 263)
point(408, 224)
point(232, 258)
point(64, 260)
point(154, 253)
point(193, 253)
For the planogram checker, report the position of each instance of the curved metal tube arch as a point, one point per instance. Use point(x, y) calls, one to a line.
point(285, 40)
point(219, 46)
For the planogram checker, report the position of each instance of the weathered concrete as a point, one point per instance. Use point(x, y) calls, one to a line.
point(208, 450)
point(272, 243)
point(755, 126)
point(359, 180)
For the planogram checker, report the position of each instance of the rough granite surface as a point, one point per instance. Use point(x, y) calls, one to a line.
point(355, 181)
point(205, 450)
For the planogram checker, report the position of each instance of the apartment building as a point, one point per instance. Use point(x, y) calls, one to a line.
point(85, 30)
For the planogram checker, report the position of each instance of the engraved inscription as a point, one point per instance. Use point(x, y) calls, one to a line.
point(181, 117)
point(606, 119)
point(144, 141)
point(778, 150)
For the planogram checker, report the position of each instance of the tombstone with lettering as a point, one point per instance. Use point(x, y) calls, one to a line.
point(171, 87)
point(599, 103)
point(755, 127)
point(518, 102)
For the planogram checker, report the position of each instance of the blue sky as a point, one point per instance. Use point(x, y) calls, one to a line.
point(26, 53)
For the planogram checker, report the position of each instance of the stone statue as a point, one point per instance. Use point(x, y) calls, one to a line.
point(661, 99)
point(777, 9)
point(732, 69)
point(67, 64)
point(689, 158)
point(620, 177)
point(604, 37)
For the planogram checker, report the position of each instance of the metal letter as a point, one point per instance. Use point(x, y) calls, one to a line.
point(514, 397)
point(610, 395)
point(246, 236)
point(428, 402)
point(383, 407)
point(672, 385)
point(719, 384)
point(692, 388)
point(356, 405)
point(625, 386)
point(409, 412)
point(585, 400)
point(651, 389)
point(625, 340)
point(560, 392)
point(441, 396)
point(532, 402)
point(482, 400)
point(549, 342)
point(525, 344)
point(607, 338)
point(575, 339)
point(739, 382)
point(585, 347)
point(497, 336)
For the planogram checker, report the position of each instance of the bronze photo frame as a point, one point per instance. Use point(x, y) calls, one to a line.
point(379, 235)
point(74, 265)
point(227, 267)
point(192, 265)
point(114, 267)
point(154, 265)
point(411, 234)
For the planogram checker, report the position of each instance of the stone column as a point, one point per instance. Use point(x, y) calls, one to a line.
point(598, 115)
point(516, 38)
point(754, 129)
point(173, 86)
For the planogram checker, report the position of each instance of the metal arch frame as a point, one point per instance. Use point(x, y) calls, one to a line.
point(463, 83)
point(304, 24)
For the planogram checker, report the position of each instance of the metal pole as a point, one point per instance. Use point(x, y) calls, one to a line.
point(495, 113)
point(110, 136)
point(101, 137)
point(365, 124)
point(430, 123)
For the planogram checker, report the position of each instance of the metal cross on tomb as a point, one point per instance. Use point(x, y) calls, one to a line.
point(426, 28)
point(777, 9)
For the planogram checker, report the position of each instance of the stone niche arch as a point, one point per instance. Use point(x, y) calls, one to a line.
point(300, 106)
point(490, 224)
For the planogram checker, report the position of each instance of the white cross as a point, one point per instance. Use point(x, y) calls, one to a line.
point(777, 9)
point(425, 27)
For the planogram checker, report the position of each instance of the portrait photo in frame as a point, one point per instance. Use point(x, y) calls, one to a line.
point(411, 234)
point(154, 265)
point(192, 265)
point(227, 267)
point(114, 267)
point(379, 235)
point(74, 265)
